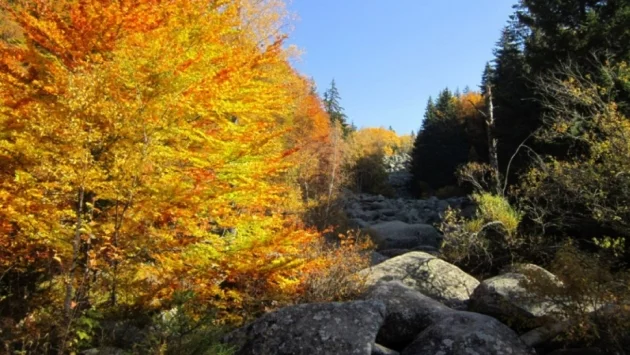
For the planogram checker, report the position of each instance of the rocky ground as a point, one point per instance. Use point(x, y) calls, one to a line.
point(415, 303)
point(365, 210)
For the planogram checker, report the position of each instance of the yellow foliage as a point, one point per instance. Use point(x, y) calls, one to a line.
point(377, 141)
point(470, 103)
point(405, 144)
point(151, 145)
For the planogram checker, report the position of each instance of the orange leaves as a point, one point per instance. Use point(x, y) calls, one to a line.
point(186, 64)
point(288, 152)
point(183, 124)
point(81, 31)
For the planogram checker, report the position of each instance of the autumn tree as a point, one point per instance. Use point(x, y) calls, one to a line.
point(367, 149)
point(373, 140)
point(319, 160)
point(146, 150)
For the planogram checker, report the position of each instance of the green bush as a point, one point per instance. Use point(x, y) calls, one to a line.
point(496, 209)
point(489, 240)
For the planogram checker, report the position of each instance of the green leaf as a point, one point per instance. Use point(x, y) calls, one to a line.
point(82, 335)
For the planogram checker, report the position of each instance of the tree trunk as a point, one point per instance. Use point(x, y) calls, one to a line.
point(333, 174)
point(113, 297)
point(76, 245)
point(492, 144)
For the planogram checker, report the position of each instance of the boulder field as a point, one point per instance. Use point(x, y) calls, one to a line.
point(415, 303)
point(409, 308)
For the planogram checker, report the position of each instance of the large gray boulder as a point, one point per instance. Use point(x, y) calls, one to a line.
point(467, 333)
point(400, 235)
point(505, 297)
point(408, 312)
point(533, 271)
point(426, 274)
point(323, 328)
point(381, 205)
point(392, 253)
point(367, 216)
point(391, 212)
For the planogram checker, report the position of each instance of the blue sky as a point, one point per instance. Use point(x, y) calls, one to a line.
point(388, 57)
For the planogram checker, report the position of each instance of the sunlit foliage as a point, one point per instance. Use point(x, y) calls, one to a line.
point(376, 140)
point(149, 147)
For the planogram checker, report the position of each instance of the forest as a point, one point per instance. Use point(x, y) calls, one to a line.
point(163, 163)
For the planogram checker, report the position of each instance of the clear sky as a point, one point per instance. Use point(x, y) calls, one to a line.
point(388, 57)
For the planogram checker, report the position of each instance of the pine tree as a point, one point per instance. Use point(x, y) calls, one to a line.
point(429, 111)
point(333, 108)
point(556, 30)
point(517, 111)
point(440, 146)
point(445, 104)
point(541, 35)
point(587, 33)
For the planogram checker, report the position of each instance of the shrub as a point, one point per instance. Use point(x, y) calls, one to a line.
point(187, 328)
point(592, 301)
point(488, 240)
point(477, 175)
point(322, 214)
point(460, 246)
point(339, 280)
point(497, 209)
point(582, 188)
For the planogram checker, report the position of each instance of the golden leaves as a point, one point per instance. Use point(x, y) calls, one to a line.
point(181, 129)
point(370, 141)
